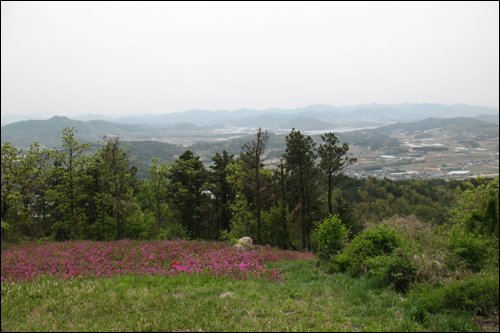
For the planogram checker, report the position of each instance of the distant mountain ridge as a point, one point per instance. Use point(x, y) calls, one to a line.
point(48, 132)
point(328, 113)
point(336, 115)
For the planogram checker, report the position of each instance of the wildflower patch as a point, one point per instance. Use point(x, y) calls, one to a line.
point(104, 259)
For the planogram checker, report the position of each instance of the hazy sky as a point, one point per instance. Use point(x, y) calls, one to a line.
point(71, 58)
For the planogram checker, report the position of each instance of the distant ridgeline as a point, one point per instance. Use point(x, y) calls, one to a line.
point(140, 138)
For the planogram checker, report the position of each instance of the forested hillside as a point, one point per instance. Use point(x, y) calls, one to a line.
point(71, 194)
point(47, 132)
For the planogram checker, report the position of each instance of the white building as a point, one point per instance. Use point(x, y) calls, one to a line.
point(459, 172)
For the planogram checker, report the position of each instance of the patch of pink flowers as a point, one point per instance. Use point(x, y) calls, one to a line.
point(104, 259)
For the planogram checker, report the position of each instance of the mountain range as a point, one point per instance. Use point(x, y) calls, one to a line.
point(279, 117)
point(48, 132)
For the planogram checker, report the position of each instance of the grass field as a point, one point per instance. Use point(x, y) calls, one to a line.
point(307, 299)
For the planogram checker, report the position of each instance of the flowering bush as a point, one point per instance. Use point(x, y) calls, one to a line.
point(82, 258)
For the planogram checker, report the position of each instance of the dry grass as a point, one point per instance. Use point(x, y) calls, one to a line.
point(429, 251)
point(488, 323)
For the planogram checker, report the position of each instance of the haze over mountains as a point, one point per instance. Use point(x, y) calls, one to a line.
point(324, 115)
point(48, 132)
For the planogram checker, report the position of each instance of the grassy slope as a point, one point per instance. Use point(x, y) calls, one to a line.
point(308, 300)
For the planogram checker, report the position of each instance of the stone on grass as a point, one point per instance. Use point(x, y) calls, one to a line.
point(227, 293)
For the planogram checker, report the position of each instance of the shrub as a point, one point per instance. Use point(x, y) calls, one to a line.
point(469, 248)
point(373, 242)
point(330, 236)
point(396, 270)
point(425, 245)
point(477, 293)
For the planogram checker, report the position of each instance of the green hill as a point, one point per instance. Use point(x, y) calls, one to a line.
point(307, 124)
point(457, 126)
point(48, 132)
point(184, 127)
point(141, 153)
point(491, 118)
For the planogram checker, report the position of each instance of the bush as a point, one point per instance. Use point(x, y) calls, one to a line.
point(477, 293)
point(469, 248)
point(396, 270)
point(373, 242)
point(330, 236)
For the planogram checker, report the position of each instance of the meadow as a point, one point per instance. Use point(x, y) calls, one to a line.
point(197, 286)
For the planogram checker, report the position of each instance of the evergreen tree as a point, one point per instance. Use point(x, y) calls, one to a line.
point(333, 162)
point(223, 192)
point(116, 181)
point(188, 177)
point(300, 156)
point(253, 152)
point(68, 195)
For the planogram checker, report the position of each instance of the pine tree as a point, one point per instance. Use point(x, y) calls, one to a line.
point(253, 152)
point(68, 195)
point(300, 156)
point(333, 162)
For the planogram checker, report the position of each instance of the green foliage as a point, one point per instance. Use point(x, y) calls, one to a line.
point(477, 293)
point(333, 162)
point(22, 177)
point(187, 182)
point(173, 231)
point(396, 269)
point(346, 213)
point(243, 222)
point(154, 196)
point(374, 241)
point(479, 211)
point(221, 189)
point(473, 249)
point(142, 153)
point(330, 235)
point(376, 200)
point(301, 170)
point(273, 227)
point(68, 193)
point(5, 228)
point(253, 156)
point(119, 196)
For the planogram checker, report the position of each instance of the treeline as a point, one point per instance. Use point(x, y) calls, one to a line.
point(73, 194)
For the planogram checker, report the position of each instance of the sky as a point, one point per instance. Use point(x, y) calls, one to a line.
point(118, 58)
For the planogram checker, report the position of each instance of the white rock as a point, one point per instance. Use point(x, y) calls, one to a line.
point(246, 241)
point(227, 293)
